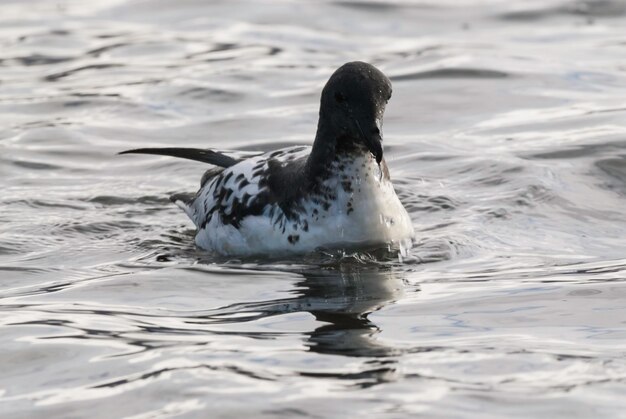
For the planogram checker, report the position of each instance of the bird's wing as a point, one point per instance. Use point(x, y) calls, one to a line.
point(197, 154)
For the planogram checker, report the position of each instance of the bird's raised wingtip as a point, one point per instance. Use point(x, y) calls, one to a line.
point(197, 154)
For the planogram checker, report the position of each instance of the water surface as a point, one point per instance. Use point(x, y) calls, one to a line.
point(505, 139)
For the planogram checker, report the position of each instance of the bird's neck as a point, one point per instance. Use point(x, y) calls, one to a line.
point(322, 153)
point(328, 147)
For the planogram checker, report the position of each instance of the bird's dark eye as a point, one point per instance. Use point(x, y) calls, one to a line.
point(339, 97)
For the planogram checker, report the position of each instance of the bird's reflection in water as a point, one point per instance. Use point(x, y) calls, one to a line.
point(340, 298)
point(344, 301)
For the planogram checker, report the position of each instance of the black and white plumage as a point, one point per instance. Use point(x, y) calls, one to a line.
point(335, 194)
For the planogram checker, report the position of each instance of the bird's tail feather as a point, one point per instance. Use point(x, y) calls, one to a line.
point(184, 202)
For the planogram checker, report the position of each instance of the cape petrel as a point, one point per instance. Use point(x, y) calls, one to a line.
point(335, 194)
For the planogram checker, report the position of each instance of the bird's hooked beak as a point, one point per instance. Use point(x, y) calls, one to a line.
point(372, 137)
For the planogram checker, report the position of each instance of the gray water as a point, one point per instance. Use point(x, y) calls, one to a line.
point(506, 140)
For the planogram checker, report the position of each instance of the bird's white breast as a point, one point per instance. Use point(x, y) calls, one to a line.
point(359, 207)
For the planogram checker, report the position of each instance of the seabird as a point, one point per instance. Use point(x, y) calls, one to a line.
point(335, 194)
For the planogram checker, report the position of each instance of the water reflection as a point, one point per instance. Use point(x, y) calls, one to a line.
point(342, 299)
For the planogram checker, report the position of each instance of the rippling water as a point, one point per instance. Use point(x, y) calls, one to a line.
point(505, 139)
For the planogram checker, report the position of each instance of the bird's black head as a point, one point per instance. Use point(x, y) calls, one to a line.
point(352, 107)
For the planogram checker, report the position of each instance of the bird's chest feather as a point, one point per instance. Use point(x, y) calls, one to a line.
point(354, 204)
point(357, 201)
